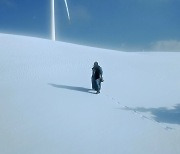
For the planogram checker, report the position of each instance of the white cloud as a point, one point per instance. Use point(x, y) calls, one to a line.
point(170, 45)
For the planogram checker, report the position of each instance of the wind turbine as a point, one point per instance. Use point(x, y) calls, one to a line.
point(53, 22)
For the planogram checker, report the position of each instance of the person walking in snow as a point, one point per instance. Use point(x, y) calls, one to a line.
point(97, 77)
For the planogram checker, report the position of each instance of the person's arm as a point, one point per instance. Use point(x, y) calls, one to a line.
point(101, 73)
point(93, 71)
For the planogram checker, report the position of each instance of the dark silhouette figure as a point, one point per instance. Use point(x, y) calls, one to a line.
point(97, 77)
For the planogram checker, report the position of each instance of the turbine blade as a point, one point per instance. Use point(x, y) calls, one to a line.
point(65, 1)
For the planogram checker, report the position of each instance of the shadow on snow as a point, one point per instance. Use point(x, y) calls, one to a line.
point(81, 89)
point(162, 114)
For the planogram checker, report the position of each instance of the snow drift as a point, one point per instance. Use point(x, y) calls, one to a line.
point(47, 105)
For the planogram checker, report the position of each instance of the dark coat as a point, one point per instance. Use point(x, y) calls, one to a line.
point(97, 72)
point(97, 77)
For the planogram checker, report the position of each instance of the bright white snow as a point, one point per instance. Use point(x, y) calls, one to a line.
point(47, 107)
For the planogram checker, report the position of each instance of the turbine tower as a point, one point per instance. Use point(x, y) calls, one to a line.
point(53, 22)
point(53, 28)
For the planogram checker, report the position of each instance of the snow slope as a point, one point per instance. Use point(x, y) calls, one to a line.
point(47, 107)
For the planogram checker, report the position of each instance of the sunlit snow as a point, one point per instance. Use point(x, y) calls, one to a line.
point(47, 105)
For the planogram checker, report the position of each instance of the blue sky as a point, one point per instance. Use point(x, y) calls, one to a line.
point(131, 25)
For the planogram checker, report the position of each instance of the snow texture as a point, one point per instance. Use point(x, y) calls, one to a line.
point(47, 105)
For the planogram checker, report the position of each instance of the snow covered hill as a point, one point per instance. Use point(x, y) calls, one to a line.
point(47, 105)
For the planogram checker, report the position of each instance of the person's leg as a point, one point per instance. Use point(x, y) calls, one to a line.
point(93, 83)
point(98, 84)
